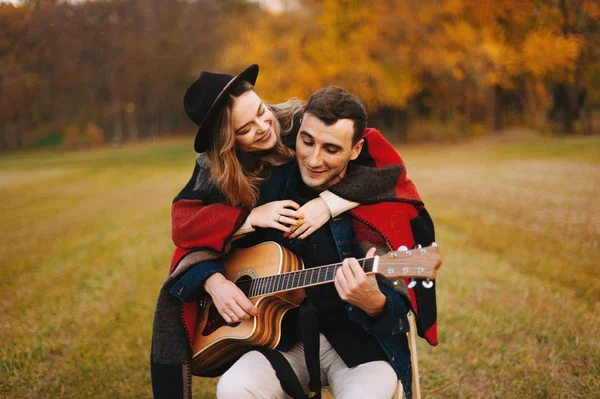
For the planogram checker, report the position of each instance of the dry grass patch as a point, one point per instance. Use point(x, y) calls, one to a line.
point(86, 244)
point(519, 292)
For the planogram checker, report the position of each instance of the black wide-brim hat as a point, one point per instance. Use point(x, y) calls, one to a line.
point(206, 97)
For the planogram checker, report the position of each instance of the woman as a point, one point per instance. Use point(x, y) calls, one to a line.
point(240, 139)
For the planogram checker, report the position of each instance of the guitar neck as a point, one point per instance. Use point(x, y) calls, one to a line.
point(299, 279)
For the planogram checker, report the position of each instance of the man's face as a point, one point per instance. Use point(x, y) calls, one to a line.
point(323, 152)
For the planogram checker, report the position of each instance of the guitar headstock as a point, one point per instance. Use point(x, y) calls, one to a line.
point(421, 263)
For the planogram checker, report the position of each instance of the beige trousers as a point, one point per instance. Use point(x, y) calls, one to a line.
point(252, 376)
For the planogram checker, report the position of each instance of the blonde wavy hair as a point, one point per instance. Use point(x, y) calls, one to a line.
point(239, 174)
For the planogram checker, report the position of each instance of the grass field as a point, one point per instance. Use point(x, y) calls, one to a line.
point(85, 246)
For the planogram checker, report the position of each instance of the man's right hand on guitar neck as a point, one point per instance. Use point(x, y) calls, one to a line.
point(230, 301)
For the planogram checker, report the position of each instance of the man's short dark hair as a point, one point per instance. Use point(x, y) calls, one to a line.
point(333, 103)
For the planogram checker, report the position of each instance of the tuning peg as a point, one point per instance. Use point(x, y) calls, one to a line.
point(434, 244)
point(403, 248)
point(412, 283)
point(427, 283)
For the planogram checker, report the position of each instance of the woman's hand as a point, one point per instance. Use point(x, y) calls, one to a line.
point(316, 214)
point(276, 215)
point(230, 301)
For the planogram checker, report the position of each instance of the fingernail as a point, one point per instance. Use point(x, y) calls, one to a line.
point(301, 216)
point(299, 222)
point(286, 235)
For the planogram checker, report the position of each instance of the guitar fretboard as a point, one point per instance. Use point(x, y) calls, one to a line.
point(298, 279)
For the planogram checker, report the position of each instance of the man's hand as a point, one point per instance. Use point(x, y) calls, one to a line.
point(358, 289)
point(230, 301)
point(316, 214)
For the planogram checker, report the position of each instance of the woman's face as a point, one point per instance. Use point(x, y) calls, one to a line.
point(252, 123)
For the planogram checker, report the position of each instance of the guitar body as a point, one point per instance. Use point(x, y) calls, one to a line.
point(217, 345)
point(279, 288)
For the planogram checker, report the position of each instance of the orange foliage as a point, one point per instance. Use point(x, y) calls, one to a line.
point(544, 53)
point(389, 51)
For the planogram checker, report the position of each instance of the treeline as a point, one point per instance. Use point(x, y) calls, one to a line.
point(103, 71)
point(116, 70)
point(439, 68)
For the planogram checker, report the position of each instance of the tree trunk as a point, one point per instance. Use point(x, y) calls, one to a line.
point(587, 125)
point(19, 132)
point(570, 101)
point(134, 133)
point(11, 135)
point(465, 124)
point(491, 105)
point(117, 138)
point(3, 133)
point(569, 112)
point(498, 108)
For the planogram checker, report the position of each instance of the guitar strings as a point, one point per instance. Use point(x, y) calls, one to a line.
point(246, 284)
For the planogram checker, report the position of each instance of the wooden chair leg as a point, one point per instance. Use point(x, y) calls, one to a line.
point(412, 344)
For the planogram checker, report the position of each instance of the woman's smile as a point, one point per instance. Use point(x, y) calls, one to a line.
point(265, 136)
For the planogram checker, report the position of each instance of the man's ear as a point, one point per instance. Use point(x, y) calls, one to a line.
point(357, 149)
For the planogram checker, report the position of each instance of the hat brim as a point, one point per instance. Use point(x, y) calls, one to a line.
point(203, 135)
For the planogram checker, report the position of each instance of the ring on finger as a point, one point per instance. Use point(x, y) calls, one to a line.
point(279, 218)
point(231, 314)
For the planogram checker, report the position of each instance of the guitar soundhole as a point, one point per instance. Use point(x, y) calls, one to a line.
point(215, 321)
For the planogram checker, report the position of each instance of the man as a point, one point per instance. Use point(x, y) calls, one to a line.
point(354, 330)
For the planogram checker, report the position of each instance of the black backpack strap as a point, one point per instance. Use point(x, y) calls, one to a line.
point(285, 373)
point(309, 331)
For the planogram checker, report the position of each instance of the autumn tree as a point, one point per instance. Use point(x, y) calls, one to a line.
point(121, 65)
point(462, 60)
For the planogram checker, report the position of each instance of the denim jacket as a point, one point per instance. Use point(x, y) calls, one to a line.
point(390, 329)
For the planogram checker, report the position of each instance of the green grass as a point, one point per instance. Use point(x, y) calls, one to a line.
point(86, 245)
point(555, 148)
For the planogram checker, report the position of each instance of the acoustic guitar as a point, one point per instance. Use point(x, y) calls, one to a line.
point(272, 277)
